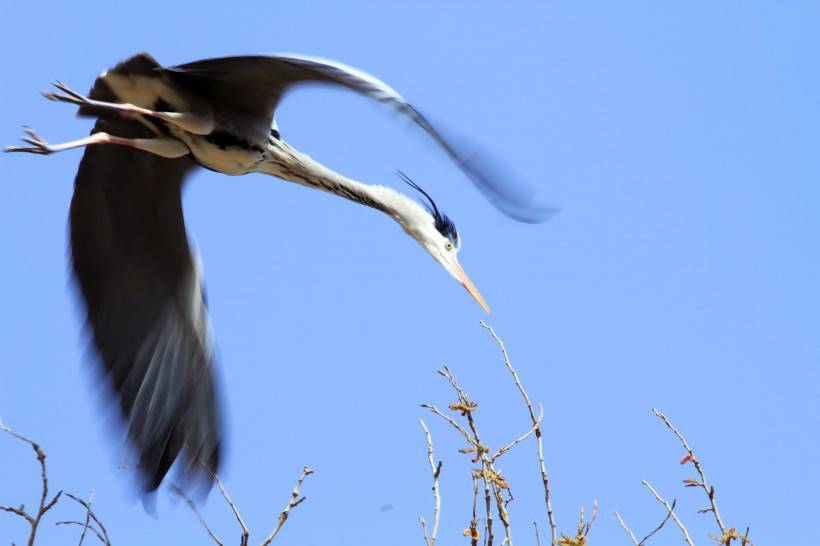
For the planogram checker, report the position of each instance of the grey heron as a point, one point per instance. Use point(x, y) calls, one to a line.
point(130, 251)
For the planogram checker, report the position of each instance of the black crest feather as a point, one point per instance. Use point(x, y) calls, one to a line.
point(444, 225)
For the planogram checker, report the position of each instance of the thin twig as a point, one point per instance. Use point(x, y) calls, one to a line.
point(703, 484)
point(467, 407)
point(517, 441)
point(86, 526)
point(671, 511)
point(628, 530)
point(503, 515)
point(491, 476)
point(536, 425)
point(90, 513)
point(87, 523)
point(584, 528)
point(537, 536)
point(245, 533)
point(19, 511)
point(295, 500)
point(87, 518)
point(436, 470)
point(474, 521)
point(181, 494)
point(655, 530)
point(450, 420)
point(34, 521)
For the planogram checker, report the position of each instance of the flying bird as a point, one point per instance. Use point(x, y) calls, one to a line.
point(131, 257)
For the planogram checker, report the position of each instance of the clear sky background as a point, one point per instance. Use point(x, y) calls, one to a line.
point(681, 144)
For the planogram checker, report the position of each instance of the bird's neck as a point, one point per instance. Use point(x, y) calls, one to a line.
point(297, 167)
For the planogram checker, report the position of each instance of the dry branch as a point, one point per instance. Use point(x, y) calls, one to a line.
point(703, 484)
point(436, 470)
point(671, 511)
point(536, 423)
point(187, 500)
point(91, 520)
point(33, 521)
point(295, 500)
point(635, 541)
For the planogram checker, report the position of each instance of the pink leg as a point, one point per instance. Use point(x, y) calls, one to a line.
point(165, 147)
point(193, 123)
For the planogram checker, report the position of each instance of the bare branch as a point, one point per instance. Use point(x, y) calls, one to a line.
point(502, 513)
point(703, 484)
point(671, 511)
point(536, 423)
point(493, 481)
point(466, 407)
point(473, 530)
point(245, 533)
point(655, 530)
point(34, 521)
point(86, 526)
point(628, 530)
point(87, 523)
point(87, 519)
point(517, 441)
point(537, 536)
point(450, 420)
point(90, 514)
point(181, 494)
point(584, 528)
point(20, 511)
point(436, 470)
point(295, 500)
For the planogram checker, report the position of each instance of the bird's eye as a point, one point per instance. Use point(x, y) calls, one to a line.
point(449, 245)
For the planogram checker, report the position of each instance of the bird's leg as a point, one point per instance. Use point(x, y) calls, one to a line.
point(161, 146)
point(193, 123)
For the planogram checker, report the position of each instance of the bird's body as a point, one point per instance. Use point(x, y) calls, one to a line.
point(130, 250)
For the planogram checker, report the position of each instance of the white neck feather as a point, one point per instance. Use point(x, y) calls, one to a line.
point(302, 169)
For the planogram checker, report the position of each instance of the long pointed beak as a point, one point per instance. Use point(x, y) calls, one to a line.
point(468, 284)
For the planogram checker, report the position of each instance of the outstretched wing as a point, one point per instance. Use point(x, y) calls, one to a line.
point(251, 87)
point(143, 295)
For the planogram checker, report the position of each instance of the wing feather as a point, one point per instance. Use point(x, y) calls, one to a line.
point(251, 88)
point(135, 272)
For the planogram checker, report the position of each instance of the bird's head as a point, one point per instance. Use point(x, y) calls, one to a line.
point(437, 234)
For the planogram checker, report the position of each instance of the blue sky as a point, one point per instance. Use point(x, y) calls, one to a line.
point(680, 143)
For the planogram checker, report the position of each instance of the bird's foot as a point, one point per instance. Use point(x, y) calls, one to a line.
point(38, 144)
point(70, 96)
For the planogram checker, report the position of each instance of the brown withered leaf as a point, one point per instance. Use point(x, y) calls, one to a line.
point(464, 408)
point(686, 459)
point(580, 540)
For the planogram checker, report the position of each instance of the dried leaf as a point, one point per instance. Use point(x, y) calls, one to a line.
point(464, 408)
point(580, 540)
point(688, 458)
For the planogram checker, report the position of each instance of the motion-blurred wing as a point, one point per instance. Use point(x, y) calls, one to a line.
point(143, 295)
point(252, 86)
